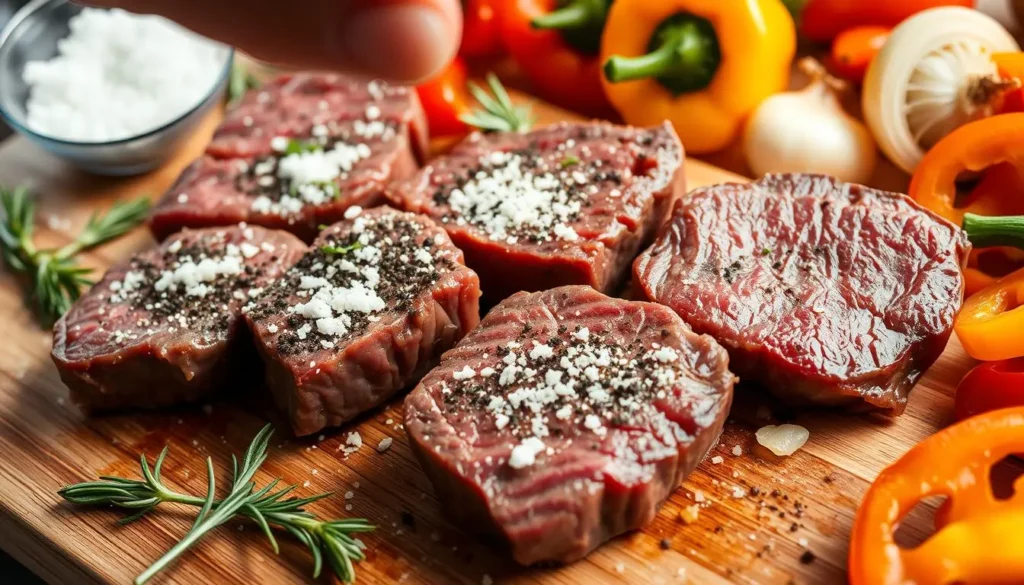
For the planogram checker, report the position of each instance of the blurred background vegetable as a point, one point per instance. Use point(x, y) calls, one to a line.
point(854, 49)
point(702, 65)
point(556, 45)
point(446, 99)
point(935, 73)
point(808, 131)
point(823, 20)
point(481, 28)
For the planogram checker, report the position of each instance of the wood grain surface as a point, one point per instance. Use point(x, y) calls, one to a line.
point(759, 515)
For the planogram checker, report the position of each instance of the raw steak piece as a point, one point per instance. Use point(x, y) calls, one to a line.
point(297, 154)
point(293, 104)
point(823, 291)
point(166, 326)
point(567, 204)
point(367, 311)
point(567, 418)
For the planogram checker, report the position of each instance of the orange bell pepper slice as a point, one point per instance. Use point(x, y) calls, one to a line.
point(973, 147)
point(977, 539)
point(991, 323)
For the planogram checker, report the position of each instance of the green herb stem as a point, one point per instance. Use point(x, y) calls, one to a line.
point(988, 231)
point(324, 538)
point(54, 279)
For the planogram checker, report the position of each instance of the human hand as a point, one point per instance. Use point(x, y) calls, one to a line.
point(401, 40)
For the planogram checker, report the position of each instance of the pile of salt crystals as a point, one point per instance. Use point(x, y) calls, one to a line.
point(119, 75)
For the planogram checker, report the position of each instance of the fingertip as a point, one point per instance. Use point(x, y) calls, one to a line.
point(405, 42)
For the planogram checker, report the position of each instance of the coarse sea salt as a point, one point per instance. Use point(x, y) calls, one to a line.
point(119, 75)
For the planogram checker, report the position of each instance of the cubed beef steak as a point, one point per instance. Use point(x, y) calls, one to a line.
point(166, 326)
point(296, 154)
point(824, 292)
point(567, 204)
point(567, 418)
point(367, 311)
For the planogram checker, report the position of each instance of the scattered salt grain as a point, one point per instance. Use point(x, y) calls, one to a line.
point(384, 444)
point(737, 450)
point(783, 440)
point(717, 460)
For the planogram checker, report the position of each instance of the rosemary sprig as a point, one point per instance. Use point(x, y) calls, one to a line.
point(499, 114)
point(240, 81)
point(55, 280)
point(330, 539)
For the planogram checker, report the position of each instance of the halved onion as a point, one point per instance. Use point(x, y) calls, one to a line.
point(934, 74)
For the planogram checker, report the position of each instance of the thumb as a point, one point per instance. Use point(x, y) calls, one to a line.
point(400, 40)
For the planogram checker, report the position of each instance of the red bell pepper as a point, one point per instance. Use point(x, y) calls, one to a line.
point(823, 20)
point(481, 28)
point(446, 100)
point(557, 46)
point(990, 386)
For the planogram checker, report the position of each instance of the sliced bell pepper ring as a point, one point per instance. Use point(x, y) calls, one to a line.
point(976, 538)
point(556, 46)
point(990, 386)
point(972, 147)
point(446, 100)
point(481, 28)
point(704, 65)
point(823, 20)
point(991, 322)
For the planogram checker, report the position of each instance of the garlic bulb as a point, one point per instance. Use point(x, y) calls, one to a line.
point(808, 131)
point(934, 74)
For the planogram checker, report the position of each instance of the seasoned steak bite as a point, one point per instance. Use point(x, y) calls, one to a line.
point(567, 204)
point(166, 327)
point(291, 105)
point(364, 313)
point(314, 146)
point(824, 292)
point(566, 418)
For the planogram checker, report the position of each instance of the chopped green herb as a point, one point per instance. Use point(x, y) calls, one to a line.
point(302, 147)
point(497, 112)
point(766, 251)
point(340, 250)
point(569, 161)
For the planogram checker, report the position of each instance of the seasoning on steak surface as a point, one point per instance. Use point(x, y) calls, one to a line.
point(567, 204)
point(568, 417)
point(297, 153)
point(165, 327)
point(823, 291)
point(368, 310)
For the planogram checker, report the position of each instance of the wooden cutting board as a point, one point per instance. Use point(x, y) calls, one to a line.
point(755, 534)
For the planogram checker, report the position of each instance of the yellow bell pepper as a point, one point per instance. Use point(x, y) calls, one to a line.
point(704, 65)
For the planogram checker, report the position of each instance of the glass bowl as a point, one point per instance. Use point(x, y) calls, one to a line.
point(32, 35)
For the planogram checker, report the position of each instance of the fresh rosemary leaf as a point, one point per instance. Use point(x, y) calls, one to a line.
point(499, 114)
point(569, 161)
point(53, 277)
point(330, 539)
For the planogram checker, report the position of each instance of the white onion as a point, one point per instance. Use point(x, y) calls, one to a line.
point(808, 131)
point(783, 440)
point(934, 74)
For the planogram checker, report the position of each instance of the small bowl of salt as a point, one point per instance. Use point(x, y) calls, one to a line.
point(112, 92)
